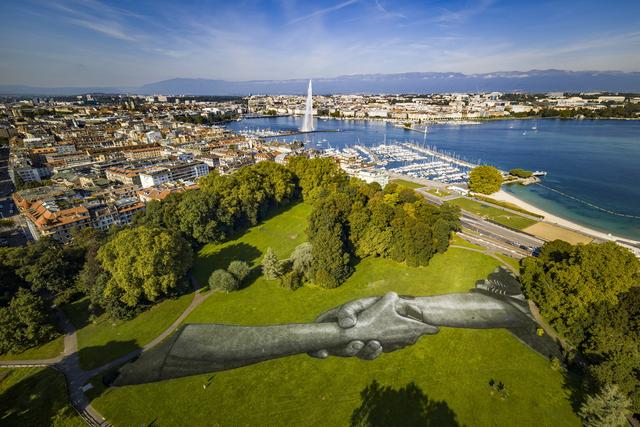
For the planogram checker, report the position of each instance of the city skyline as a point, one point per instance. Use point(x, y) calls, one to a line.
point(92, 42)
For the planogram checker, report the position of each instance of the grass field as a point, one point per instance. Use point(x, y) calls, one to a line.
point(459, 241)
point(550, 232)
point(447, 373)
point(46, 351)
point(494, 214)
point(408, 184)
point(282, 233)
point(508, 206)
point(439, 192)
point(104, 340)
point(35, 397)
point(511, 261)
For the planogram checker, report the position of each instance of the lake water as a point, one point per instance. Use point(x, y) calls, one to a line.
point(593, 166)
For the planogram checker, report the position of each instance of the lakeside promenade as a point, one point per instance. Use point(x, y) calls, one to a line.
point(554, 219)
point(511, 238)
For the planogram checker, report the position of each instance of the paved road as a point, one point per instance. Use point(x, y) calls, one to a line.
point(492, 235)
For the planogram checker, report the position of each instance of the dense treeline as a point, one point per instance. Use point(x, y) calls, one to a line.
point(521, 173)
point(29, 277)
point(627, 111)
point(353, 220)
point(224, 204)
point(591, 295)
point(126, 270)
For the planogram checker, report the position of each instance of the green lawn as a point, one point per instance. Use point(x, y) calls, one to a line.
point(439, 192)
point(282, 232)
point(495, 214)
point(46, 351)
point(105, 339)
point(508, 206)
point(448, 372)
point(408, 184)
point(515, 263)
point(35, 397)
point(459, 241)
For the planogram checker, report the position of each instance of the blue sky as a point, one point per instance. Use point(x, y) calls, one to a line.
point(125, 43)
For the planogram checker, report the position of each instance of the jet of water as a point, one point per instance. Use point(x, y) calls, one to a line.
point(307, 124)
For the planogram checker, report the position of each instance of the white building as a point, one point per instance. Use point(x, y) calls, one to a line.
point(178, 172)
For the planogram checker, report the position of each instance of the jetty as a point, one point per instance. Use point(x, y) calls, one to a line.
point(446, 157)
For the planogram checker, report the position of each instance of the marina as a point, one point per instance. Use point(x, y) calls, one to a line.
point(407, 159)
point(571, 151)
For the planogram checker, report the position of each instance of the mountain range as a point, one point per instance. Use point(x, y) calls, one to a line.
point(417, 82)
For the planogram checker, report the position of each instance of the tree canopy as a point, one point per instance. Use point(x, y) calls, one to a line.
point(520, 173)
point(356, 220)
point(24, 323)
point(144, 263)
point(606, 409)
point(591, 294)
point(485, 179)
point(224, 204)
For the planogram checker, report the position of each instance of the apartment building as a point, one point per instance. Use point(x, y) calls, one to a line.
point(188, 171)
point(55, 210)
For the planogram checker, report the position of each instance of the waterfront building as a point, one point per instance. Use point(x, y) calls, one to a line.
point(157, 175)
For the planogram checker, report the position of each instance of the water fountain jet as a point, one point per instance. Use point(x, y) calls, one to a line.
point(307, 124)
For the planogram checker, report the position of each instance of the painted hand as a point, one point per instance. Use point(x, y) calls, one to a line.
point(377, 324)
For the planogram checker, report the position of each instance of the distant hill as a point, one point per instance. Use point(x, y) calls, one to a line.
point(48, 91)
point(507, 81)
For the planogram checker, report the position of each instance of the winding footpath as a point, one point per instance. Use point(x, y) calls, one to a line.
point(68, 363)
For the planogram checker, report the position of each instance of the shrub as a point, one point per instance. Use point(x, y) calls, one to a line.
point(271, 266)
point(239, 269)
point(222, 280)
point(292, 280)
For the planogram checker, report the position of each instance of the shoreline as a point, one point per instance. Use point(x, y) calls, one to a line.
point(503, 196)
point(472, 120)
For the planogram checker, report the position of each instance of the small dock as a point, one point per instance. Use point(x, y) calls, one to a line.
point(440, 155)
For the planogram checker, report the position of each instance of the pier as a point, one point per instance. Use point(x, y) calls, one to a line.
point(442, 156)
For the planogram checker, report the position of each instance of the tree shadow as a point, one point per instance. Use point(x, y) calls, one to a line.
point(253, 275)
point(97, 356)
point(575, 383)
point(78, 312)
point(383, 406)
point(236, 252)
point(35, 400)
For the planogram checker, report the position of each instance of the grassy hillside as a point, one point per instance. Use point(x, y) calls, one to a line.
point(443, 379)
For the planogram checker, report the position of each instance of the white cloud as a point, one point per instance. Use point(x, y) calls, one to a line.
point(322, 12)
point(108, 28)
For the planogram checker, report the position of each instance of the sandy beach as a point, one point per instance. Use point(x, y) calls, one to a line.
point(553, 219)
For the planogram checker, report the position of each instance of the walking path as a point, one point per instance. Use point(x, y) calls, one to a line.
point(69, 361)
point(554, 219)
